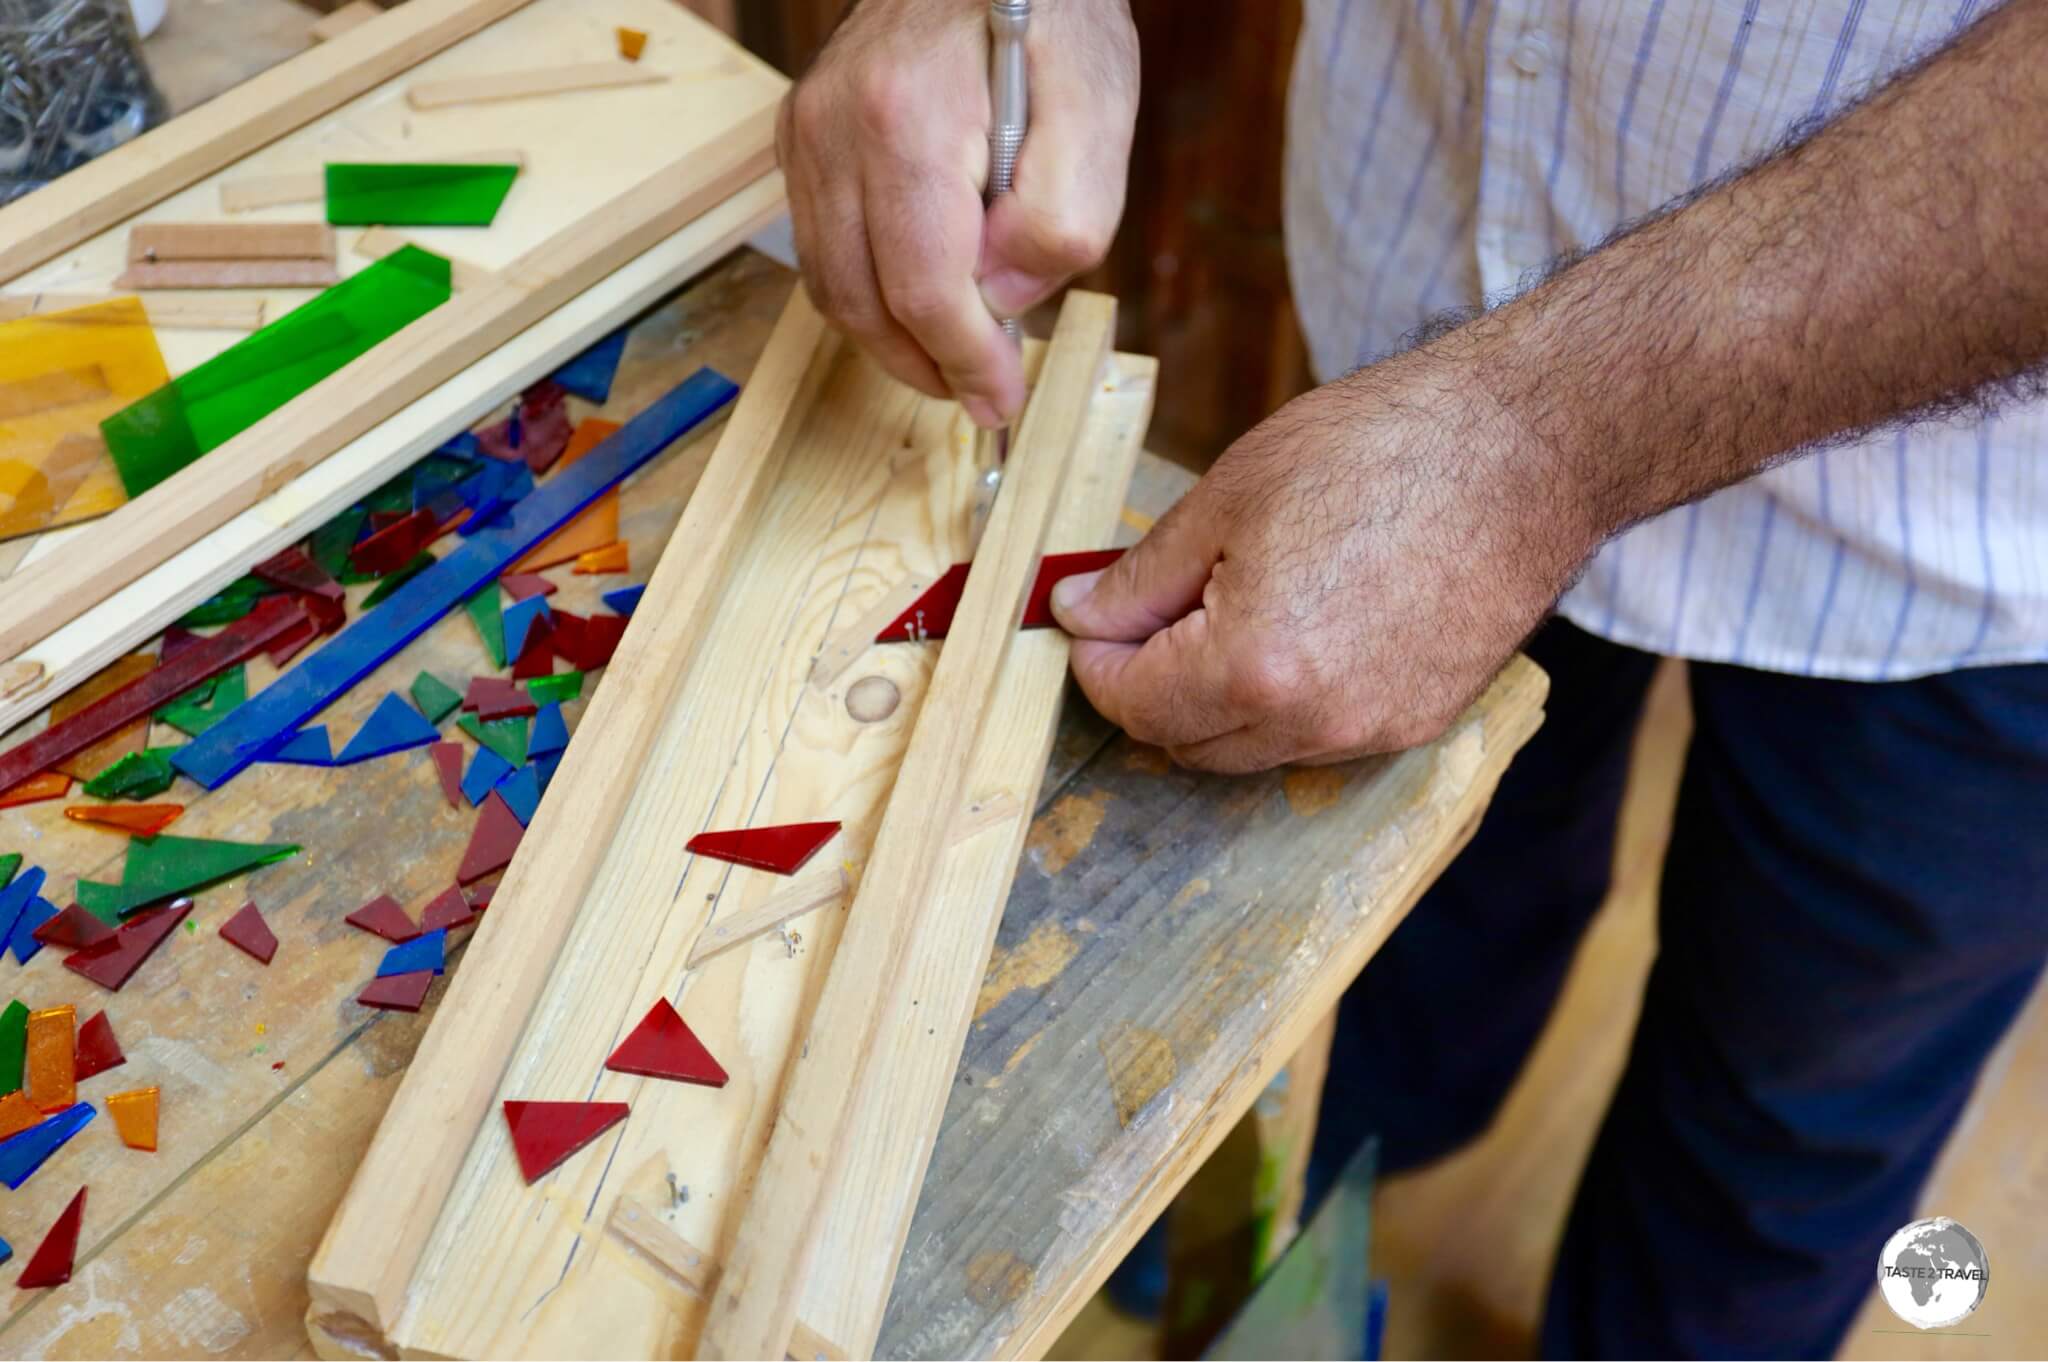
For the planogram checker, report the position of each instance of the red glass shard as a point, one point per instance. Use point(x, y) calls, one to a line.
point(177, 639)
point(449, 909)
point(384, 520)
point(393, 546)
point(248, 931)
point(543, 433)
point(781, 849)
point(328, 613)
point(143, 820)
point(111, 967)
point(495, 440)
point(51, 1265)
point(382, 916)
point(520, 585)
point(241, 640)
point(1053, 569)
point(491, 845)
point(288, 645)
point(537, 658)
point(448, 765)
point(495, 697)
point(545, 1133)
point(599, 640)
point(294, 571)
point(930, 615)
point(75, 929)
point(479, 894)
point(97, 1050)
point(664, 1046)
point(398, 992)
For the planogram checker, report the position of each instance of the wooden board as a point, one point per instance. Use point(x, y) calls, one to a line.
point(530, 84)
point(603, 205)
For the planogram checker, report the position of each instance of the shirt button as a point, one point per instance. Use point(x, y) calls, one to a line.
point(1531, 54)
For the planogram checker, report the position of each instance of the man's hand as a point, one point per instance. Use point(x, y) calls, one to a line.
point(884, 144)
point(1345, 580)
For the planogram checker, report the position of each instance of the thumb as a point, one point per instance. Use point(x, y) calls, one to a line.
point(1153, 585)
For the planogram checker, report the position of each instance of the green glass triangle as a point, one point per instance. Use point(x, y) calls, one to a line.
point(159, 867)
point(435, 697)
point(103, 901)
point(139, 775)
point(490, 622)
point(330, 543)
point(202, 707)
point(506, 737)
point(416, 195)
point(227, 605)
point(9, 863)
point(559, 688)
point(13, 1045)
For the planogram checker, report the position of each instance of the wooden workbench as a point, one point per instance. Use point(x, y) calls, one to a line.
point(1169, 942)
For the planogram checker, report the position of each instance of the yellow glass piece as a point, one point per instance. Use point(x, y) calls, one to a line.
point(17, 1114)
point(134, 1116)
point(50, 1077)
point(61, 374)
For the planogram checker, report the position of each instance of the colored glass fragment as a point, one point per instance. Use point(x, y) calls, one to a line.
point(506, 737)
point(389, 549)
point(295, 570)
point(394, 726)
point(520, 585)
point(398, 577)
point(486, 769)
point(663, 1046)
point(19, 893)
point(519, 620)
point(176, 640)
point(247, 931)
point(415, 194)
point(140, 820)
point(435, 697)
point(96, 757)
point(448, 766)
point(139, 936)
point(492, 842)
point(537, 659)
point(493, 697)
point(207, 405)
point(590, 374)
point(287, 645)
point(550, 732)
point(610, 558)
point(483, 612)
point(521, 793)
point(307, 747)
point(589, 434)
point(383, 917)
point(230, 603)
point(98, 1051)
point(201, 708)
point(13, 1045)
point(23, 940)
point(160, 867)
point(50, 1072)
point(1053, 569)
point(50, 1265)
point(48, 785)
point(399, 992)
point(74, 929)
point(9, 863)
point(625, 598)
point(600, 638)
point(139, 775)
point(329, 545)
point(930, 616)
point(479, 894)
point(781, 849)
point(17, 1114)
point(448, 910)
point(544, 429)
point(545, 767)
point(135, 1115)
point(592, 529)
point(21, 1155)
point(560, 688)
point(632, 42)
point(546, 1133)
point(427, 951)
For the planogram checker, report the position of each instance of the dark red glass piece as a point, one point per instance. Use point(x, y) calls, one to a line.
point(450, 909)
point(382, 916)
point(398, 992)
point(537, 654)
point(664, 1046)
point(96, 1049)
point(479, 894)
point(931, 615)
point(289, 644)
point(248, 931)
point(781, 849)
point(177, 639)
point(112, 966)
point(520, 585)
point(1053, 569)
point(51, 1265)
point(495, 838)
point(597, 640)
point(448, 765)
point(495, 697)
point(390, 548)
point(294, 571)
point(545, 1133)
point(75, 929)
point(544, 425)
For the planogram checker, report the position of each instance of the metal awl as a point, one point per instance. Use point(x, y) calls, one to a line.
point(1009, 117)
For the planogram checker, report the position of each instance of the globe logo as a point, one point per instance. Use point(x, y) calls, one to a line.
point(1932, 1273)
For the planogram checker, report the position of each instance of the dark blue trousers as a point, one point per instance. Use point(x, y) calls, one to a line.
point(1854, 907)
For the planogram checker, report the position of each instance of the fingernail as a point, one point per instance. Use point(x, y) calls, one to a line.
point(1009, 292)
point(982, 412)
point(1069, 593)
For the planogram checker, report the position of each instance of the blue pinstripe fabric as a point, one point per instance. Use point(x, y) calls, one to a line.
point(1438, 150)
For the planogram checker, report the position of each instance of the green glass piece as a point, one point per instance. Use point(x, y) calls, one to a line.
point(205, 705)
point(490, 622)
point(416, 195)
point(207, 405)
point(506, 737)
point(395, 496)
point(103, 901)
point(560, 688)
point(227, 605)
point(9, 863)
point(139, 775)
point(161, 866)
point(391, 581)
point(13, 1045)
point(435, 697)
point(330, 543)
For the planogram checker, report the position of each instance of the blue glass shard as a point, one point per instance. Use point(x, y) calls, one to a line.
point(493, 498)
point(17, 896)
point(550, 733)
point(624, 599)
point(6, 1250)
point(519, 620)
point(22, 1154)
point(393, 726)
point(544, 767)
point(590, 374)
point(22, 940)
point(423, 952)
point(486, 769)
point(521, 793)
point(307, 747)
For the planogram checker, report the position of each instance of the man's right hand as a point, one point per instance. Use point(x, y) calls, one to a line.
point(884, 144)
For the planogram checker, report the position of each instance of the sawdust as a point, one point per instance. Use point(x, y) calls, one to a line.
point(1140, 1064)
point(1066, 830)
point(1312, 789)
point(1033, 963)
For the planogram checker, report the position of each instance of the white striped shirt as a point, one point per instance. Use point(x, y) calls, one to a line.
point(1439, 149)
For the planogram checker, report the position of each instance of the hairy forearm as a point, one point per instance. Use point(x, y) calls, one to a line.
point(1892, 263)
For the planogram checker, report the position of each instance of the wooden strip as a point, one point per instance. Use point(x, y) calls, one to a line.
point(845, 646)
point(193, 314)
point(230, 274)
point(374, 243)
point(156, 242)
point(112, 188)
point(756, 1303)
point(369, 1256)
point(546, 80)
point(310, 186)
point(172, 515)
point(333, 24)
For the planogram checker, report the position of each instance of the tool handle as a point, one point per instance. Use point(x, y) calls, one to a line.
point(1009, 103)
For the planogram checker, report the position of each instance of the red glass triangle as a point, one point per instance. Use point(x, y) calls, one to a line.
point(495, 697)
point(1053, 569)
point(74, 929)
point(383, 917)
point(782, 850)
point(390, 548)
point(450, 909)
point(96, 1049)
point(51, 1265)
point(599, 639)
point(545, 1133)
point(247, 930)
point(448, 765)
point(491, 845)
point(537, 654)
point(931, 614)
point(398, 992)
point(294, 571)
point(520, 585)
point(664, 1046)
point(112, 966)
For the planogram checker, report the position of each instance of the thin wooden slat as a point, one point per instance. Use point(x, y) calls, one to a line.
point(230, 274)
point(157, 242)
point(149, 529)
point(755, 1306)
point(164, 160)
point(547, 80)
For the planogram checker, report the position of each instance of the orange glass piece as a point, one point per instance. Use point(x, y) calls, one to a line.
point(88, 762)
point(50, 1075)
point(588, 435)
point(610, 558)
point(17, 1114)
point(61, 374)
point(593, 529)
point(143, 820)
point(134, 1116)
point(632, 42)
point(48, 785)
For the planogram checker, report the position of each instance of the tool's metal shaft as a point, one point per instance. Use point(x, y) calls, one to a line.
point(1009, 94)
